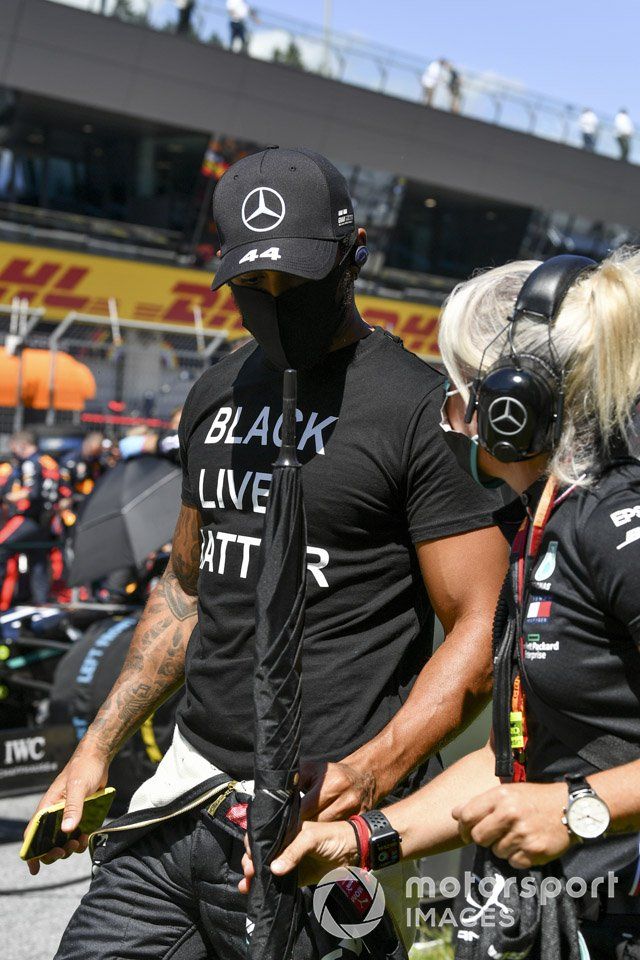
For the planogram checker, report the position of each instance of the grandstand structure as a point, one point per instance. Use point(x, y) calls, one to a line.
point(114, 131)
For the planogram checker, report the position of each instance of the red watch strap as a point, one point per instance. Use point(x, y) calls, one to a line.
point(364, 836)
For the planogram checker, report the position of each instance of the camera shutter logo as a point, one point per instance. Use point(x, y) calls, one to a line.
point(364, 893)
point(507, 416)
point(263, 210)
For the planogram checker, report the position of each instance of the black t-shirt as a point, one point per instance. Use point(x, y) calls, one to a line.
point(582, 637)
point(377, 478)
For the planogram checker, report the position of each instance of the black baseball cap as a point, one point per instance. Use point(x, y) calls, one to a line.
point(284, 210)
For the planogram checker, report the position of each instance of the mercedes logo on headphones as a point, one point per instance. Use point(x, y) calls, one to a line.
point(507, 416)
point(263, 209)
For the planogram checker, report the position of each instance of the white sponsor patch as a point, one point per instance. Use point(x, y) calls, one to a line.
point(632, 536)
point(344, 217)
point(546, 567)
point(538, 649)
point(625, 515)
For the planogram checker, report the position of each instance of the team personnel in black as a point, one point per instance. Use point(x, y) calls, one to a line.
point(393, 525)
point(29, 494)
point(80, 473)
point(545, 370)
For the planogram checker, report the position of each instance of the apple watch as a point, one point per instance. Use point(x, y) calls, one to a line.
point(384, 841)
point(586, 815)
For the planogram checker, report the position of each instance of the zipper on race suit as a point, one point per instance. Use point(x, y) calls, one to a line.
point(224, 788)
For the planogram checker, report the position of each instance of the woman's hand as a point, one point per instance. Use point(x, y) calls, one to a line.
point(521, 822)
point(318, 848)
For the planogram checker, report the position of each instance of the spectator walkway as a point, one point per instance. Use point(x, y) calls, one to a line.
point(353, 60)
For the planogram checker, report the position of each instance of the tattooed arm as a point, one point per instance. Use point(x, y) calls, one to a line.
point(154, 666)
point(152, 671)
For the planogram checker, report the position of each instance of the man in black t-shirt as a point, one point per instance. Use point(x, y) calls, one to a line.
point(395, 532)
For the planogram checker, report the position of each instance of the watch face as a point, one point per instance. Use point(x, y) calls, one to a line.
point(588, 817)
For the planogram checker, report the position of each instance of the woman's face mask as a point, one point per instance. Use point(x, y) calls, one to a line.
point(464, 448)
point(295, 329)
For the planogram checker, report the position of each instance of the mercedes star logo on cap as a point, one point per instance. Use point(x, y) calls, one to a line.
point(507, 416)
point(263, 209)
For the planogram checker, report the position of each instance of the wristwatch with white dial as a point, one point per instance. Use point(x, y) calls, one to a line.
point(586, 815)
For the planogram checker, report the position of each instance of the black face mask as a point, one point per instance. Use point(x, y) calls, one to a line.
point(296, 328)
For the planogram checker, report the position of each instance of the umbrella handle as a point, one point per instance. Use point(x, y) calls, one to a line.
point(288, 456)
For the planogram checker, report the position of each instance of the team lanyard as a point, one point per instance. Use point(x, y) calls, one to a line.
point(524, 554)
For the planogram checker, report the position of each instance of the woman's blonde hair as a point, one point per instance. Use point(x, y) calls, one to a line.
point(596, 337)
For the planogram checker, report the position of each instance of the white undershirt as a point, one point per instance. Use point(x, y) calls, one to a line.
point(181, 769)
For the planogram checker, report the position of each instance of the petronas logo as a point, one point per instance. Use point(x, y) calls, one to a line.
point(547, 565)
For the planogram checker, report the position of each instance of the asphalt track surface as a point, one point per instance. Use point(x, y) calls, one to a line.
point(34, 910)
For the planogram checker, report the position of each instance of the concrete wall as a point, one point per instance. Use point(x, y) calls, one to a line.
point(57, 51)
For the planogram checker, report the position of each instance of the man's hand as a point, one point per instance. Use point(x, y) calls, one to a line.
point(335, 790)
point(521, 822)
point(153, 669)
point(318, 848)
point(85, 773)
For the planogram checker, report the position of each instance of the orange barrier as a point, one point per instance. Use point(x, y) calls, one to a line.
point(73, 381)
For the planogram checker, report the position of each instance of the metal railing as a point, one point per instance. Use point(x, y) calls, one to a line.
point(348, 59)
point(148, 367)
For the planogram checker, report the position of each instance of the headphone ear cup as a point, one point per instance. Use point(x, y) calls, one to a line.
point(517, 410)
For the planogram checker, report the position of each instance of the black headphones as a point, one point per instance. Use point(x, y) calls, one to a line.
point(520, 399)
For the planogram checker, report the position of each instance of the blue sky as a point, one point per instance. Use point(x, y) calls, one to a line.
point(581, 52)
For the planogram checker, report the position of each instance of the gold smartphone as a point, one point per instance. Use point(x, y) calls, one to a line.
point(45, 831)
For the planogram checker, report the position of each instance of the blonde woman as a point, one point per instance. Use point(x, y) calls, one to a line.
point(544, 367)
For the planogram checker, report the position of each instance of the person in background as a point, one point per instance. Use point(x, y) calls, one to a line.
point(589, 125)
point(624, 131)
point(163, 444)
point(185, 12)
point(432, 76)
point(29, 494)
point(454, 83)
point(81, 472)
point(239, 12)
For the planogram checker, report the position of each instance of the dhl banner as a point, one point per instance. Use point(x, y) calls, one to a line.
point(61, 281)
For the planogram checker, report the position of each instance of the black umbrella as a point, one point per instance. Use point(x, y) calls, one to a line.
point(275, 904)
point(132, 512)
